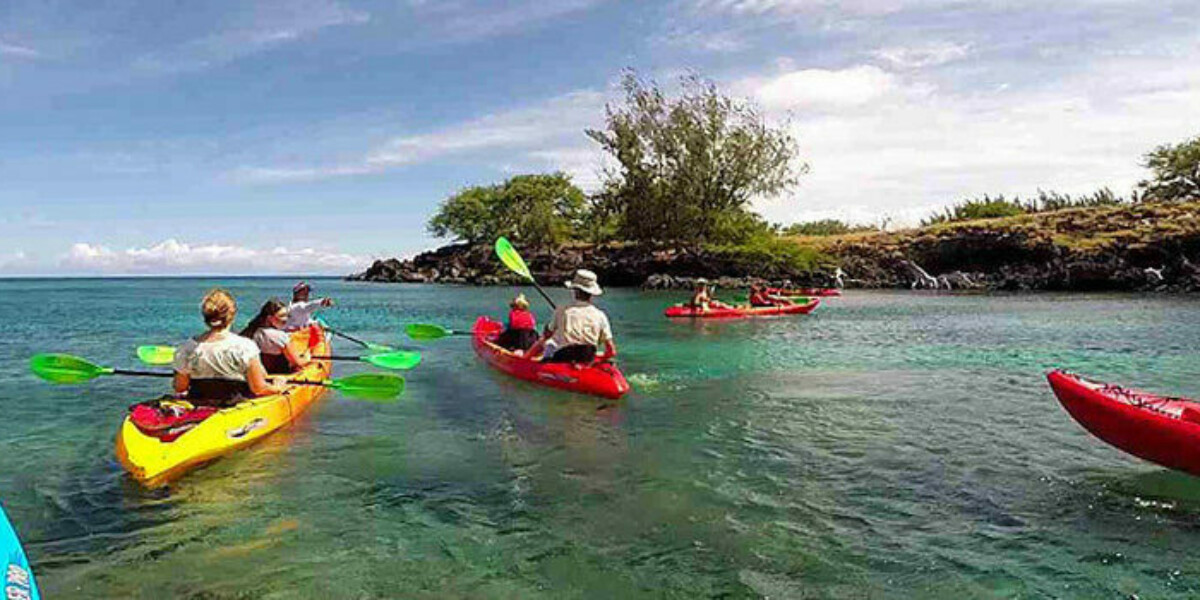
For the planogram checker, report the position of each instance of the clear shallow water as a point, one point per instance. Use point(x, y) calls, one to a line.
point(889, 446)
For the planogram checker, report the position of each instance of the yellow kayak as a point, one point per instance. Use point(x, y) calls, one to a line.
point(154, 462)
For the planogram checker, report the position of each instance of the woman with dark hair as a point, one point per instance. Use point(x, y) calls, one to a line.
point(267, 331)
point(217, 367)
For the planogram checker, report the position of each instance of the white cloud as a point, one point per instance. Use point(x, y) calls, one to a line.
point(172, 256)
point(17, 50)
point(912, 148)
point(925, 55)
point(822, 89)
point(261, 26)
point(524, 135)
point(472, 22)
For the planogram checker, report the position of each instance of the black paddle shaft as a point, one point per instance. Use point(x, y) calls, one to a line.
point(142, 373)
point(543, 293)
point(162, 374)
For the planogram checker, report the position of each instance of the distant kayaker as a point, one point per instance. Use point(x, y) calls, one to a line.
point(579, 328)
point(702, 297)
point(301, 310)
point(760, 296)
point(521, 333)
point(279, 355)
point(218, 367)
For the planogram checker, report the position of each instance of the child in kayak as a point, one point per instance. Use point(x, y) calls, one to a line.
point(579, 328)
point(278, 354)
point(521, 333)
point(218, 367)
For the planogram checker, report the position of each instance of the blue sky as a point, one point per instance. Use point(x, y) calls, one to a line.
point(245, 136)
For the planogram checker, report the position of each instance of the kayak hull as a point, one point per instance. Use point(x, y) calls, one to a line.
point(741, 312)
point(154, 463)
point(1164, 431)
point(604, 380)
point(17, 576)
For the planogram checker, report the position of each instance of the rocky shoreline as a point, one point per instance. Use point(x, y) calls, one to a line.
point(1144, 247)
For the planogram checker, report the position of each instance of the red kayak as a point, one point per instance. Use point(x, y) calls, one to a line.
point(597, 379)
point(739, 312)
point(820, 292)
point(1159, 429)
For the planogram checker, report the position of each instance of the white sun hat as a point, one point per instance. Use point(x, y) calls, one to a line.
point(585, 281)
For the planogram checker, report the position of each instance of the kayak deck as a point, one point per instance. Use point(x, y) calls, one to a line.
point(154, 462)
point(739, 312)
point(1160, 429)
point(603, 379)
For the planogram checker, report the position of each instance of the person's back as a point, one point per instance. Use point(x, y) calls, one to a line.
point(217, 364)
point(521, 333)
point(579, 329)
point(218, 367)
point(580, 323)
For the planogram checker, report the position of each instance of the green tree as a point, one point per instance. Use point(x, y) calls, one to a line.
point(536, 210)
point(826, 227)
point(689, 166)
point(1176, 172)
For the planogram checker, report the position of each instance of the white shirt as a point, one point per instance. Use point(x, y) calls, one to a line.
point(580, 323)
point(271, 340)
point(225, 358)
point(300, 314)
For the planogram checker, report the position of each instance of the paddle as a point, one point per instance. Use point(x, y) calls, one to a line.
point(398, 360)
point(425, 331)
point(368, 345)
point(67, 369)
point(508, 255)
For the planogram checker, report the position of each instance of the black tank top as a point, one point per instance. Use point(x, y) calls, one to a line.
point(221, 393)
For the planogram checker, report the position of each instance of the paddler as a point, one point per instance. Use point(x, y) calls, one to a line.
point(279, 355)
point(702, 297)
point(521, 333)
point(579, 328)
point(301, 310)
point(218, 367)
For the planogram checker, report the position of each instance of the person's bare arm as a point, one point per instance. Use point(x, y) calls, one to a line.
point(181, 382)
point(260, 384)
point(297, 360)
point(610, 351)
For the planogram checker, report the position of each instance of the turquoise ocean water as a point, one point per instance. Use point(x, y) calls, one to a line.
point(891, 445)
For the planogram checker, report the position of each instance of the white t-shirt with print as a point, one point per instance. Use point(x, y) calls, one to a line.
point(225, 358)
point(579, 323)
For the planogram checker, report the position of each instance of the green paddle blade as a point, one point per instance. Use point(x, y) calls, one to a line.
point(156, 355)
point(422, 331)
point(64, 368)
point(508, 255)
point(370, 386)
point(400, 360)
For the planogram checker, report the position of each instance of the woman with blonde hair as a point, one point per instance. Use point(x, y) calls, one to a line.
point(219, 367)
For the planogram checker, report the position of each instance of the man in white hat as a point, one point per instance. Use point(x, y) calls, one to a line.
point(579, 328)
point(301, 310)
